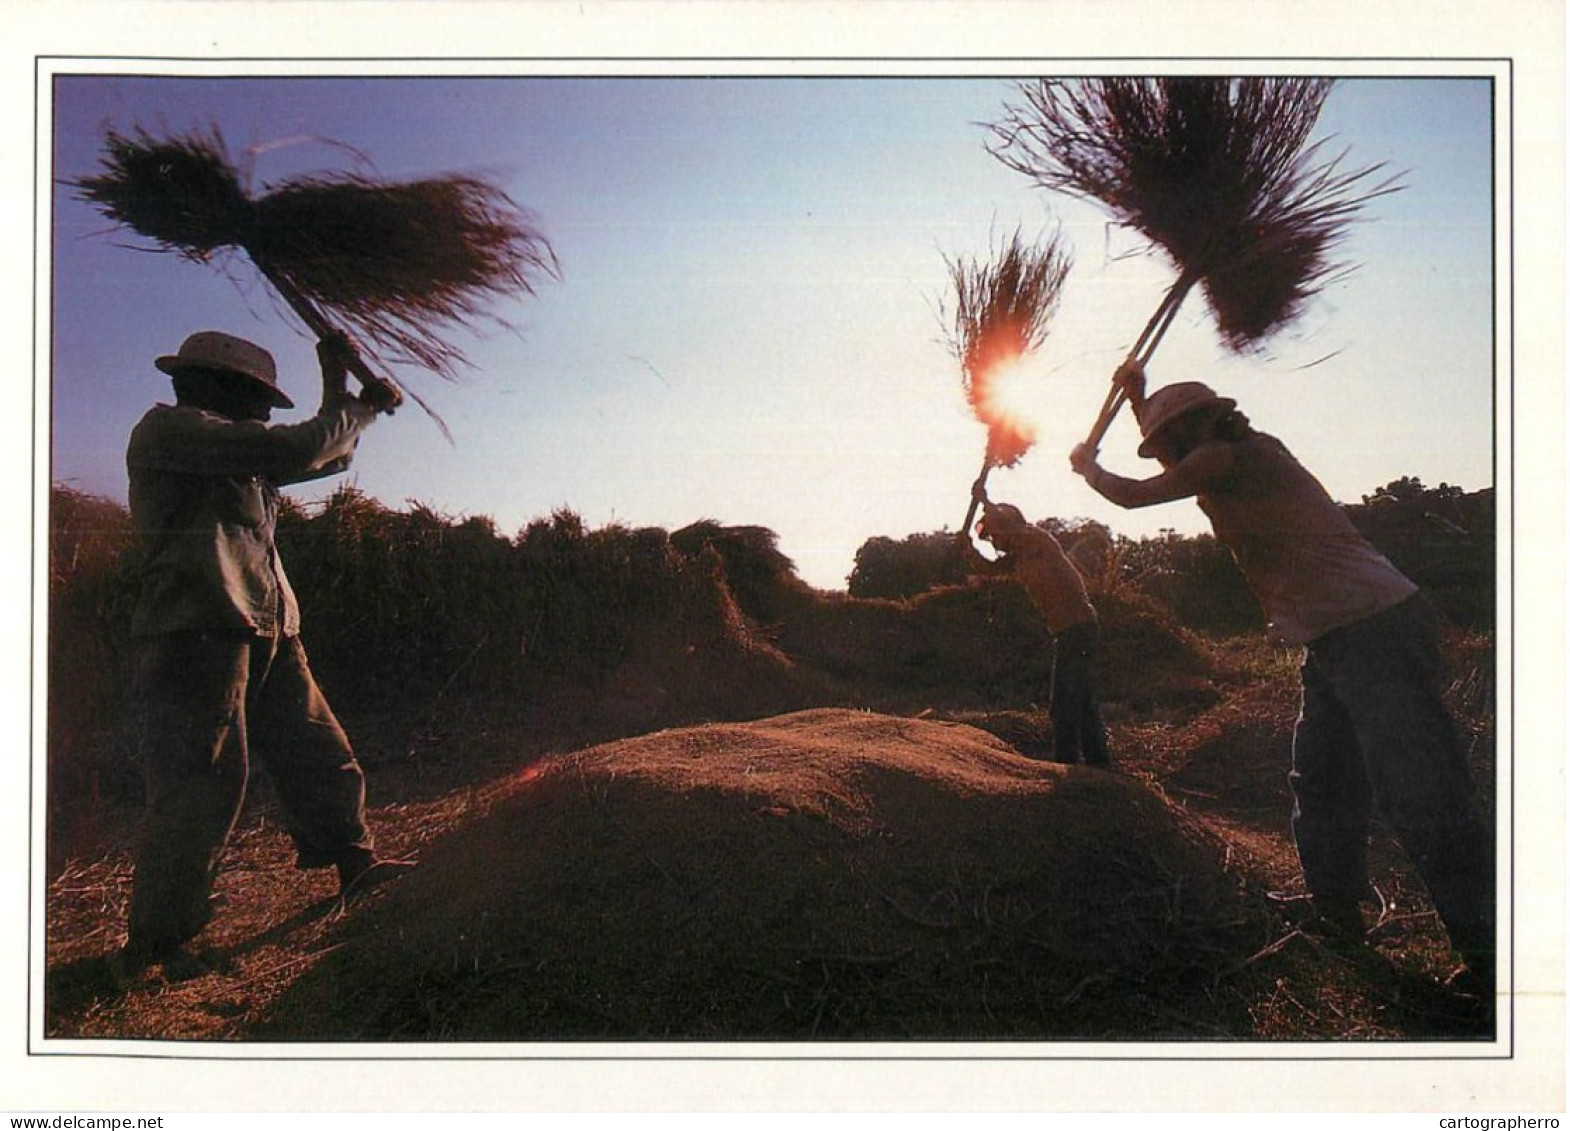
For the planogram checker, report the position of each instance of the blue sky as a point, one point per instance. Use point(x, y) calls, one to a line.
point(747, 328)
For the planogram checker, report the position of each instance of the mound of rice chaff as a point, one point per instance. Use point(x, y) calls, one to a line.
point(827, 874)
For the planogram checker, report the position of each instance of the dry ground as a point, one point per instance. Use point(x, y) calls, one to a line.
point(1221, 765)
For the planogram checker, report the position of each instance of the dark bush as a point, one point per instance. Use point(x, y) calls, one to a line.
point(761, 578)
point(892, 570)
point(1440, 537)
point(399, 604)
point(91, 590)
point(1196, 577)
point(402, 609)
point(585, 593)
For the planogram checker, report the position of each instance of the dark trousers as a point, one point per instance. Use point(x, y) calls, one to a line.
point(1374, 733)
point(208, 702)
point(1077, 731)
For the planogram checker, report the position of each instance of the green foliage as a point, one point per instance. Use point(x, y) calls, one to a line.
point(1410, 489)
point(760, 577)
point(409, 604)
point(405, 609)
point(585, 594)
point(399, 609)
point(399, 603)
point(1442, 538)
point(91, 591)
point(892, 570)
point(1197, 578)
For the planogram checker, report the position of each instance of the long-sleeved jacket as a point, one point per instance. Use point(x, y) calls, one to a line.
point(204, 507)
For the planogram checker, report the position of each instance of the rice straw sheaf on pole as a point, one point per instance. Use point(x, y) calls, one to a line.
point(1001, 311)
point(1218, 172)
point(399, 265)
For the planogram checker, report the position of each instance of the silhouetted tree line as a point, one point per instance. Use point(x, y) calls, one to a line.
point(400, 607)
point(1442, 537)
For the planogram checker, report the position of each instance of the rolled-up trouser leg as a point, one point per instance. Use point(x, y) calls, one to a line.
point(295, 734)
point(190, 690)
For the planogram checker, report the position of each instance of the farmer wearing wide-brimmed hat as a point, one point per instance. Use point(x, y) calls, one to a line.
point(1034, 558)
point(220, 671)
point(1373, 729)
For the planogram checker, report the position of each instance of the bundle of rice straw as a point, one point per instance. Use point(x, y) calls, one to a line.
point(400, 265)
point(1001, 313)
point(1218, 172)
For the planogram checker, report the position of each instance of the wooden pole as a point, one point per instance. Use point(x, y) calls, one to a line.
point(975, 495)
point(1143, 350)
point(317, 323)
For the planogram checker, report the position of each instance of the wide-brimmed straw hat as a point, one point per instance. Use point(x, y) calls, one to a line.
point(1170, 402)
point(224, 353)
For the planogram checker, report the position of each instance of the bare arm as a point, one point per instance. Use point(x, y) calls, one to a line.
point(1207, 468)
point(979, 564)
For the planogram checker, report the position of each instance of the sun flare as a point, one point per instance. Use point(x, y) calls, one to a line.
point(1004, 404)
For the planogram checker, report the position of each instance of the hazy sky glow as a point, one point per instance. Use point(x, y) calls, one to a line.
point(748, 324)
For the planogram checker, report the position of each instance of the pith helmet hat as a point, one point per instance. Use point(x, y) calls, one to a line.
point(224, 353)
point(1170, 402)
